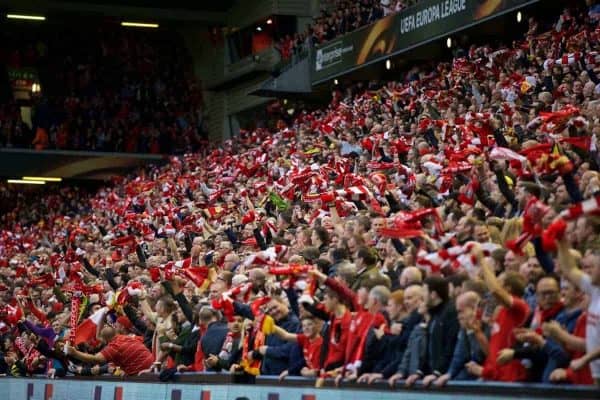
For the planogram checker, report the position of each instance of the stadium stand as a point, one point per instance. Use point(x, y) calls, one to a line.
point(104, 90)
point(427, 231)
point(338, 18)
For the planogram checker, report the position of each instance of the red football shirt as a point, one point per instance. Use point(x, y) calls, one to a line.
point(359, 329)
point(311, 350)
point(502, 337)
point(128, 353)
point(338, 337)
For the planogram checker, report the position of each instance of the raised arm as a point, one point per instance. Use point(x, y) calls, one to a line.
point(505, 190)
point(345, 293)
point(176, 291)
point(338, 224)
point(490, 279)
point(567, 264)
point(97, 358)
point(284, 335)
point(90, 268)
point(147, 310)
point(316, 312)
point(110, 278)
point(173, 247)
point(135, 320)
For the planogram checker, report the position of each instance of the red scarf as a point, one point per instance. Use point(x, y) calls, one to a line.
point(30, 354)
point(540, 316)
point(374, 321)
point(198, 365)
point(227, 347)
point(74, 318)
point(253, 339)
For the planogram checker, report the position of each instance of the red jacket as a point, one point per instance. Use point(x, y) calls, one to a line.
point(360, 324)
point(339, 328)
point(584, 375)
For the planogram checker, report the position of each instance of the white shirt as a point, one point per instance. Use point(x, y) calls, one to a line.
point(592, 329)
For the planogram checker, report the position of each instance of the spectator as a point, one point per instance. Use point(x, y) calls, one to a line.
point(512, 314)
point(588, 283)
point(127, 353)
point(472, 342)
point(444, 213)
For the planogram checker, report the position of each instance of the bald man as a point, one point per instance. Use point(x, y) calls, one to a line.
point(410, 276)
point(472, 343)
point(126, 352)
point(395, 343)
point(231, 262)
point(258, 278)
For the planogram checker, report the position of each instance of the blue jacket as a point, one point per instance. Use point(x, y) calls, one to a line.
point(467, 349)
point(213, 338)
point(552, 355)
point(414, 359)
point(280, 354)
point(557, 356)
point(387, 353)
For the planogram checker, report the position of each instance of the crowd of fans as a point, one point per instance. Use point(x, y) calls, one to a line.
point(104, 90)
point(338, 17)
point(442, 227)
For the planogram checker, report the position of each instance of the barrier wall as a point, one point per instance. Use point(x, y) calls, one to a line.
point(219, 387)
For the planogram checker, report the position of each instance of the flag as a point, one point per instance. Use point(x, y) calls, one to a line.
point(123, 241)
point(197, 275)
point(400, 233)
point(154, 274)
point(468, 196)
point(582, 142)
point(278, 201)
point(86, 331)
point(376, 206)
point(133, 288)
point(502, 153)
point(552, 233)
point(483, 132)
point(355, 193)
point(586, 207)
point(291, 269)
point(13, 314)
point(556, 150)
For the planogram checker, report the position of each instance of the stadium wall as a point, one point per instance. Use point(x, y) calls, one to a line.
point(216, 387)
point(228, 85)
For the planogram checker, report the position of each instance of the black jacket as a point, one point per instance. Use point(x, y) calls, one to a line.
point(384, 356)
point(442, 333)
point(211, 342)
point(140, 325)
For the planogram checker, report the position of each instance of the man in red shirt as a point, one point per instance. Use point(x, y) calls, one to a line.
point(511, 313)
point(126, 352)
point(367, 316)
point(339, 317)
